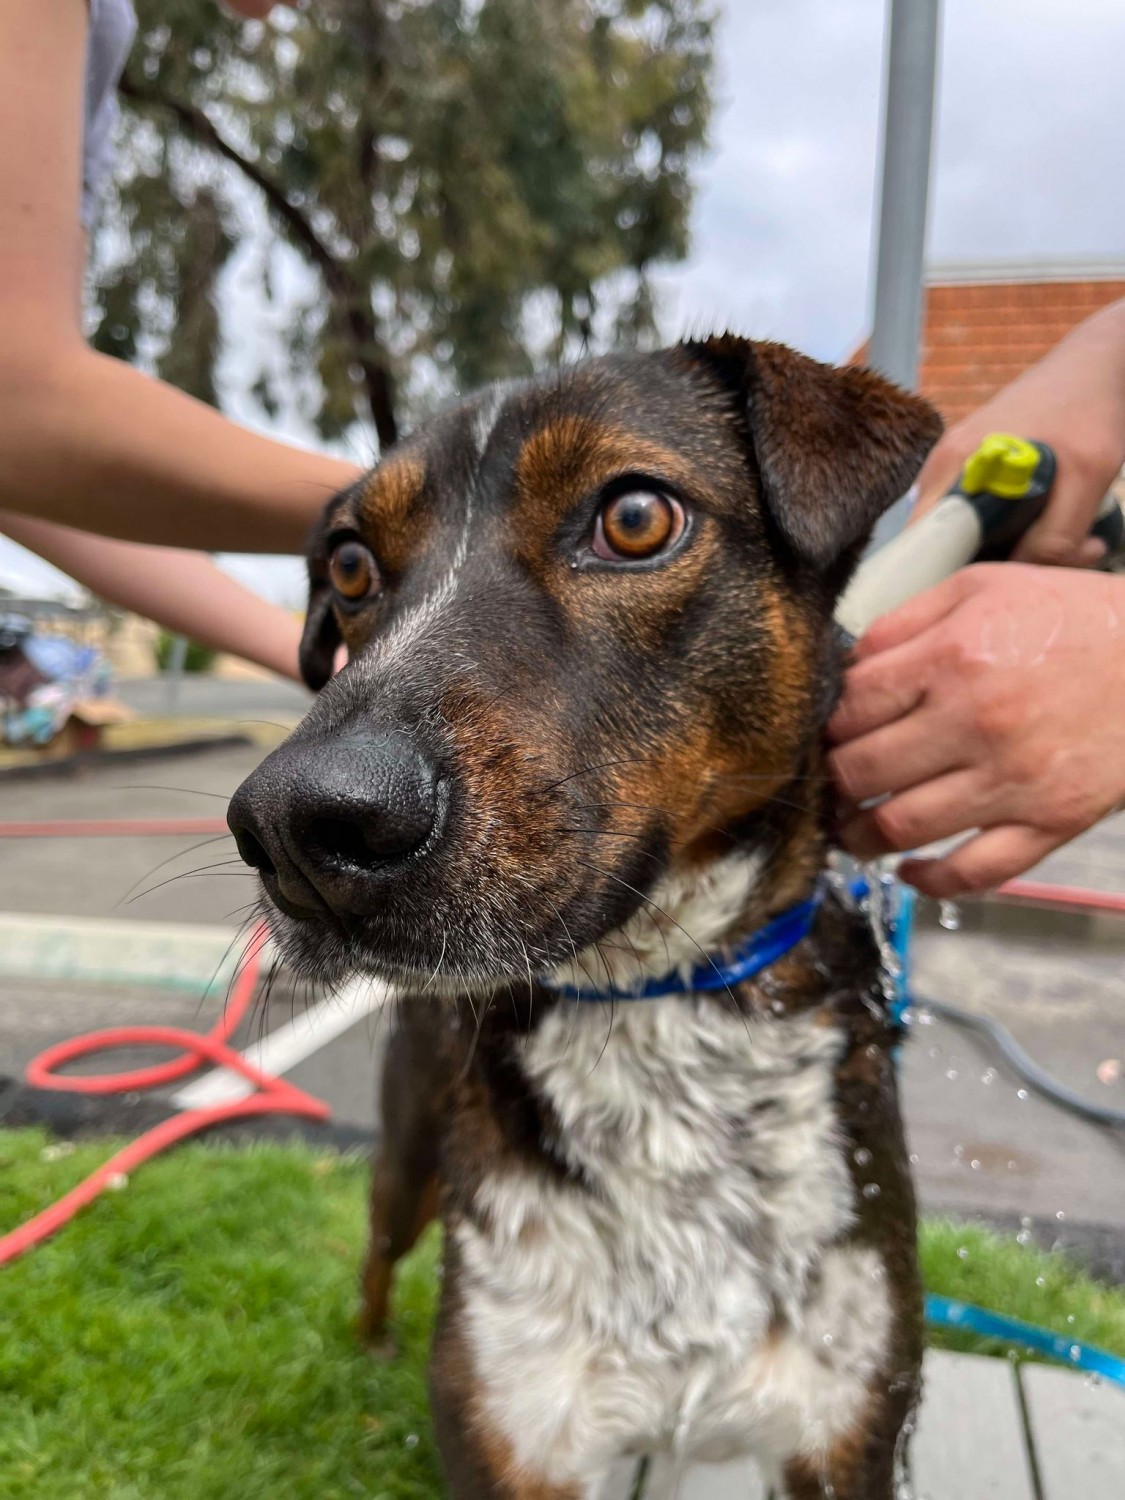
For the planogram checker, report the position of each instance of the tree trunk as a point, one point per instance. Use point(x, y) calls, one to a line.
point(358, 323)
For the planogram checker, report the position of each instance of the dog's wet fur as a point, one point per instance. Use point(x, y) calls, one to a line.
point(682, 1224)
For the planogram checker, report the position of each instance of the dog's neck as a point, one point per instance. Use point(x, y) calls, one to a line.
point(508, 1043)
point(702, 909)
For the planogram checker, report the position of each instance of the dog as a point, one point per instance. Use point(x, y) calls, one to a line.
point(577, 749)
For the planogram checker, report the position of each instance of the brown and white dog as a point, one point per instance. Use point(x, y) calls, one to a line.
point(578, 738)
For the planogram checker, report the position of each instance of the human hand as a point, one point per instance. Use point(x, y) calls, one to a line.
point(1074, 400)
point(994, 702)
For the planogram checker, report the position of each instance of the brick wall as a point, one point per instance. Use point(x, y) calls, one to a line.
point(979, 337)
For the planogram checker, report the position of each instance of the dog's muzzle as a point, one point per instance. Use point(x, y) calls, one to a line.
point(330, 822)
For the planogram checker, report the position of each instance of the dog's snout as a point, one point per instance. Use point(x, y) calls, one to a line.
point(327, 822)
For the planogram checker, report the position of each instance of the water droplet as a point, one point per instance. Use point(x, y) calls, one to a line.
point(411, 1440)
point(922, 1016)
point(116, 1181)
point(827, 1340)
point(914, 1158)
point(1021, 1093)
point(975, 1164)
point(1024, 1237)
point(988, 1076)
point(962, 1252)
point(871, 1190)
point(951, 1074)
point(1025, 1221)
point(1070, 1317)
point(862, 1157)
point(1041, 1281)
point(56, 1151)
point(1075, 1352)
point(1013, 1166)
point(1093, 1380)
point(1108, 1071)
point(949, 915)
point(1060, 1215)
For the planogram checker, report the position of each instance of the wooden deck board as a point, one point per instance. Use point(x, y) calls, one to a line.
point(739, 1480)
point(1078, 1430)
point(970, 1438)
point(971, 1442)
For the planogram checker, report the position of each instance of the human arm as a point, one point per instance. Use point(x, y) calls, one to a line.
point(182, 590)
point(86, 440)
point(993, 702)
point(1073, 400)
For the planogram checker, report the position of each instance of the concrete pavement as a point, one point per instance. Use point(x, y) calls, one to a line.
point(196, 695)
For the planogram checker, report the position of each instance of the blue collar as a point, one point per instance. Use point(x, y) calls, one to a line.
point(773, 941)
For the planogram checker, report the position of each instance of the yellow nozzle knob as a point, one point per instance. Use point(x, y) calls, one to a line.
point(1003, 465)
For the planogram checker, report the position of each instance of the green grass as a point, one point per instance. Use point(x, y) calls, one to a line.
point(974, 1265)
point(191, 1337)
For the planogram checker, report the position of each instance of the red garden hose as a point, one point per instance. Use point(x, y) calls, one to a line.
point(101, 828)
point(1070, 897)
point(273, 1096)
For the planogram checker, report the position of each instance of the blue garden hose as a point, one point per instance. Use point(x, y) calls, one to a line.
point(947, 1312)
point(963, 1317)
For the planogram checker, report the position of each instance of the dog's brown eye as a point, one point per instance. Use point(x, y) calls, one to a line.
point(636, 525)
point(353, 571)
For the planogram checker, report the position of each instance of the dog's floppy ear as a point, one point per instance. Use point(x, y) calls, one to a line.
point(321, 638)
point(833, 447)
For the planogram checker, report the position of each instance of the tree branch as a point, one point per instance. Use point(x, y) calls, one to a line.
point(346, 295)
point(196, 123)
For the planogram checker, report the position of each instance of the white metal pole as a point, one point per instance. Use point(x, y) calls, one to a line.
point(908, 117)
point(905, 152)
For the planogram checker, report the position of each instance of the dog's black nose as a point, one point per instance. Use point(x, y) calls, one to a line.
point(327, 822)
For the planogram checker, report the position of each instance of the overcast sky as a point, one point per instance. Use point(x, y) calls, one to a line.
point(1029, 155)
point(1029, 164)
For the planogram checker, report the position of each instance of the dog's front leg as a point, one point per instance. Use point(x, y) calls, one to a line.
point(478, 1459)
point(868, 1460)
point(404, 1185)
point(867, 1466)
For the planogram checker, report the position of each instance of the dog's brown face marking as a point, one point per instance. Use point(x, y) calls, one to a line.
point(391, 506)
point(599, 720)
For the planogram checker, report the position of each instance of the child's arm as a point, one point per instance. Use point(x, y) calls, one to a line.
point(184, 591)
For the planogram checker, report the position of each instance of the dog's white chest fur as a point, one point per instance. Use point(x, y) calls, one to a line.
point(685, 1297)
